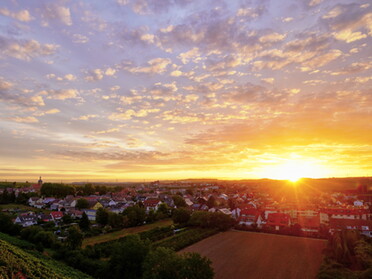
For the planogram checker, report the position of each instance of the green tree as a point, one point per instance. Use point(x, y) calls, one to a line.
point(84, 223)
point(128, 257)
point(88, 189)
point(115, 220)
point(74, 238)
point(179, 201)
point(67, 219)
point(163, 211)
point(162, 263)
point(136, 215)
point(82, 204)
point(181, 216)
point(211, 202)
point(102, 216)
point(194, 266)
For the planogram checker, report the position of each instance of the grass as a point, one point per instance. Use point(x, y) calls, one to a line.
point(118, 234)
point(22, 207)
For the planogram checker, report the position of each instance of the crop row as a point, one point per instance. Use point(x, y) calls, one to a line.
point(185, 238)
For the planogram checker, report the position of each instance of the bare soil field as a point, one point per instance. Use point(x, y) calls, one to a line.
point(247, 255)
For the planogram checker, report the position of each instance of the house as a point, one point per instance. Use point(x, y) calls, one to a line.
point(198, 206)
point(225, 211)
point(188, 202)
point(250, 216)
point(56, 215)
point(358, 203)
point(46, 217)
point(33, 200)
point(75, 213)
point(26, 220)
point(91, 213)
point(363, 226)
point(327, 214)
point(151, 204)
point(278, 220)
point(310, 225)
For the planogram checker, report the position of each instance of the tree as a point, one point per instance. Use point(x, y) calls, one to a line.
point(195, 266)
point(67, 219)
point(163, 211)
point(84, 223)
point(128, 257)
point(211, 202)
point(181, 216)
point(136, 215)
point(115, 220)
point(162, 263)
point(102, 216)
point(82, 204)
point(179, 201)
point(88, 189)
point(74, 238)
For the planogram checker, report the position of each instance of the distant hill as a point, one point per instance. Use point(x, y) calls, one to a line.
point(16, 263)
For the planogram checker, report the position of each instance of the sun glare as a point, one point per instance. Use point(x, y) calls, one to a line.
point(294, 170)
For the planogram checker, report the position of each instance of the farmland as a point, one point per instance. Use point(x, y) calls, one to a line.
point(237, 254)
point(119, 234)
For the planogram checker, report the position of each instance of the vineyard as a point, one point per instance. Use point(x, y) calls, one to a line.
point(16, 263)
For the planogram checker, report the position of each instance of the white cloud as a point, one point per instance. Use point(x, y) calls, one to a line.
point(23, 15)
point(26, 49)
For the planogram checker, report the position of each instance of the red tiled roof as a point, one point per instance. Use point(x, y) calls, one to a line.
point(358, 224)
point(343, 211)
point(309, 222)
point(278, 219)
point(56, 214)
point(151, 202)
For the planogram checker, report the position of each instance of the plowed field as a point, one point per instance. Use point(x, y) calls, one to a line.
point(247, 255)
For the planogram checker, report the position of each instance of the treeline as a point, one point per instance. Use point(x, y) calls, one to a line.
point(348, 255)
point(62, 190)
point(21, 198)
point(136, 258)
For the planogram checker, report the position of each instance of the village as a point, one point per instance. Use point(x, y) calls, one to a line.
point(251, 208)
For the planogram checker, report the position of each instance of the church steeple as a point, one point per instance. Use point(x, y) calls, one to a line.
point(40, 182)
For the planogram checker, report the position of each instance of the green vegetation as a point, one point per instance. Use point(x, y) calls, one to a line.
point(119, 234)
point(349, 255)
point(185, 238)
point(16, 262)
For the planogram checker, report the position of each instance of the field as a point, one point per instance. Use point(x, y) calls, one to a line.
point(237, 254)
point(118, 234)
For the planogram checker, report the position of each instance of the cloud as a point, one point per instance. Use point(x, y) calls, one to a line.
point(62, 94)
point(26, 119)
point(154, 66)
point(349, 22)
point(315, 2)
point(80, 39)
point(23, 15)
point(193, 54)
point(98, 74)
point(86, 117)
point(5, 85)
point(25, 49)
point(354, 68)
point(67, 77)
point(129, 114)
point(53, 11)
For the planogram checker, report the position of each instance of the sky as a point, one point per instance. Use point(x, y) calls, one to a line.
point(173, 89)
